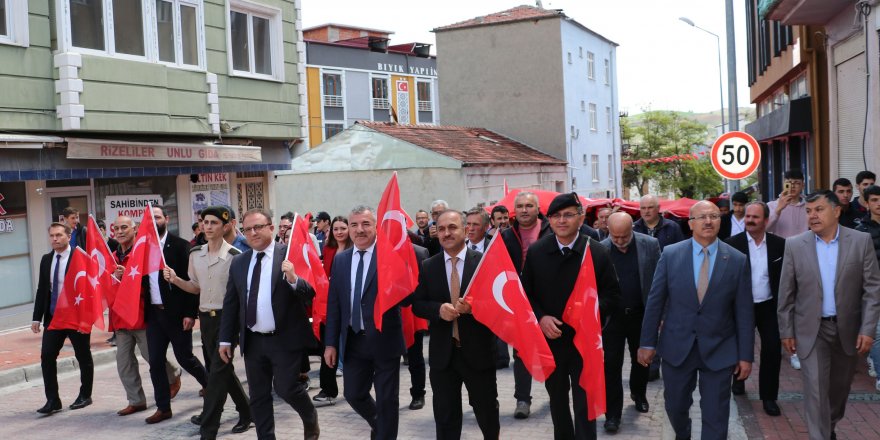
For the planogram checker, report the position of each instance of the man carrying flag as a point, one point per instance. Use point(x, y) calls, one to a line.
point(53, 270)
point(462, 350)
point(554, 266)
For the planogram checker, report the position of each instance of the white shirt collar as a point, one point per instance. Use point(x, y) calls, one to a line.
point(752, 239)
point(369, 249)
point(65, 253)
point(562, 246)
point(270, 250)
point(460, 255)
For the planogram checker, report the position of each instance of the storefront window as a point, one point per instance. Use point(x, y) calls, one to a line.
point(15, 265)
point(140, 187)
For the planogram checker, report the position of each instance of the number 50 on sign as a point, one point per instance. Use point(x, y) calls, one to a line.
point(736, 155)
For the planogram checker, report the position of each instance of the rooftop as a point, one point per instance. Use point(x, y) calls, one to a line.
point(469, 145)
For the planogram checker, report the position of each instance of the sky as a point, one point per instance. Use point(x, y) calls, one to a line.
point(663, 63)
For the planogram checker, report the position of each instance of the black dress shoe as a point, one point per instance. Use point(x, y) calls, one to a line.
point(81, 402)
point(196, 419)
point(738, 388)
point(641, 403)
point(50, 407)
point(612, 425)
point(771, 408)
point(244, 423)
point(417, 403)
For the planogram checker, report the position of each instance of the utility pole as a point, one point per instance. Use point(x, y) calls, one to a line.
point(732, 102)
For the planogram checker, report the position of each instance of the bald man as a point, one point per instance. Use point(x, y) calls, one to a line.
point(702, 292)
point(634, 257)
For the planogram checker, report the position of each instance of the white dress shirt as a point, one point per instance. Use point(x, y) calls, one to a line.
point(760, 276)
point(155, 293)
point(62, 271)
point(265, 317)
point(737, 226)
point(481, 245)
point(459, 267)
point(355, 257)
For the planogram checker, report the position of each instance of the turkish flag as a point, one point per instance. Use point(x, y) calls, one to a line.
point(582, 314)
point(145, 258)
point(397, 270)
point(506, 189)
point(102, 264)
point(307, 265)
point(79, 305)
point(499, 302)
point(411, 324)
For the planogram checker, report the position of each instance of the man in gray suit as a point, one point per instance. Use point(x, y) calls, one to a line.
point(829, 303)
point(702, 293)
point(634, 257)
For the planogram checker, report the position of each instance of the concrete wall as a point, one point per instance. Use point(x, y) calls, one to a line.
point(506, 78)
point(485, 185)
point(338, 192)
point(579, 89)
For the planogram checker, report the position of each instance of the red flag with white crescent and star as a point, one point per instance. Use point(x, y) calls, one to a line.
point(499, 302)
point(79, 305)
point(397, 270)
point(582, 314)
point(307, 265)
point(145, 258)
point(102, 264)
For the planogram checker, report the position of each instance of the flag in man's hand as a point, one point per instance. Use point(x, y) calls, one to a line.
point(397, 270)
point(582, 314)
point(498, 301)
point(307, 265)
point(145, 258)
point(102, 264)
point(79, 305)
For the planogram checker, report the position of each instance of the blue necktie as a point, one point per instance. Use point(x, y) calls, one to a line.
point(356, 318)
point(254, 291)
point(54, 299)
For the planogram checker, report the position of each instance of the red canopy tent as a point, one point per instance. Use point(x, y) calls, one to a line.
point(544, 199)
point(676, 208)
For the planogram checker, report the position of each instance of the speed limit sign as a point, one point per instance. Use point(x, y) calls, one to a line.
point(736, 155)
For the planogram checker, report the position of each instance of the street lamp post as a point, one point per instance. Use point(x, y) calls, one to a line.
point(720, 72)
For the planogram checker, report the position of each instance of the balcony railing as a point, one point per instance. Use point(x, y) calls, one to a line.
point(333, 101)
point(381, 104)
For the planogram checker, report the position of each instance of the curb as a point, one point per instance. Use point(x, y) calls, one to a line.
point(33, 372)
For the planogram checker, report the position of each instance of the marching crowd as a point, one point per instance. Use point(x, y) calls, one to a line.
point(685, 303)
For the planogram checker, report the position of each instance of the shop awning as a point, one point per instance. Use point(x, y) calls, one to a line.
point(102, 149)
point(791, 118)
point(27, 141)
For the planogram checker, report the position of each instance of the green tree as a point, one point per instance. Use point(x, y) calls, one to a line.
point(659, 134)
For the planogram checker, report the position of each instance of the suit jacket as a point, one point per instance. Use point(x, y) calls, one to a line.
point(548, 278)
point(178, 303)
point(724, 322)
point(775, 252)
point(289, 304)
point(43, 298)
point(477, 341)
point(385, 344)
point(648, 253)
point(856, 290)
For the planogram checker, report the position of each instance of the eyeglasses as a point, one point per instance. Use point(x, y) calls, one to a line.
point(560, 216)
point(704, 217)
point(284, 226)
point(255, 228)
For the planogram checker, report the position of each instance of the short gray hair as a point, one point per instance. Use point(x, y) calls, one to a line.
point(439, 202)
point(361, 209)
point(526, 194)
point(484, 216)
point(461, 215)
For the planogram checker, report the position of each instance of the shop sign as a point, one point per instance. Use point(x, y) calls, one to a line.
point(129, 206)
point(210, 190)
point(113, 150)
point(6, 225)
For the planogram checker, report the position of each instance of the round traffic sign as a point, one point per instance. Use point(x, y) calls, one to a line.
point(735, 155)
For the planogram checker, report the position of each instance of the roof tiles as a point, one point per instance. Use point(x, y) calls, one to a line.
point(519, 13)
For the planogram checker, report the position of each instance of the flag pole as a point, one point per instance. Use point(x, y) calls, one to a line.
point(480, 264)
point(107, 247)
point(156, 230)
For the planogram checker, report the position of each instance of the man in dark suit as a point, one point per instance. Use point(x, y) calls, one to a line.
point(477, 225)
point(634, 257)
point(734, 222)
point(415, 354)
point(170, 316)
point(549, 274)
point(461, 350)
point(702, 293)
point(764, 253)
point(53, 267)
point(265, 309)
point(371, 357)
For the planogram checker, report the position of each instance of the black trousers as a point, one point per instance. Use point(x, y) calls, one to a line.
point(327, 375)
point(771, 349)
point(566, 378)
point(522, 380)
point(482, 396)
point(53, 340)
point(161, 331)
point(502, 354)
point(416, 357)
point(269, 364)
point(222, 379)
point(365, 369)
point(623, 329)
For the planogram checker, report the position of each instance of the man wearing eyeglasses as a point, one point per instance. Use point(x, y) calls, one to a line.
point(550, 271)
point(702, 292)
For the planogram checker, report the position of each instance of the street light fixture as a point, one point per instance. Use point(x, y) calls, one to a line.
point(720, 72)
